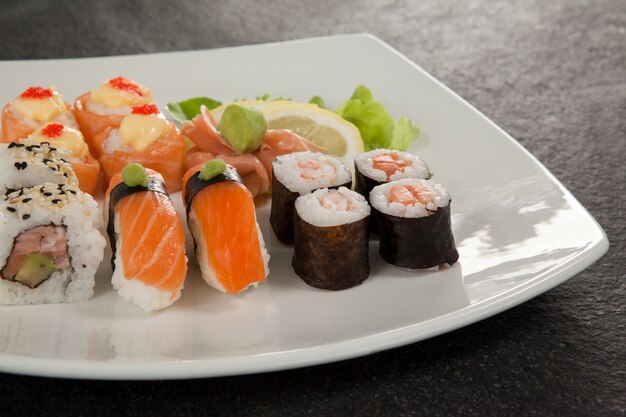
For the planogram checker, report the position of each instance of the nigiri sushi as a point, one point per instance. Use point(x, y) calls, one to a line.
point(31, 109)
point(220, 213)
point(105, 107)
point(147, 239)
point(144, 137)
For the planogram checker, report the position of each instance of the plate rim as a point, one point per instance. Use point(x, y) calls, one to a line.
point(331, 352)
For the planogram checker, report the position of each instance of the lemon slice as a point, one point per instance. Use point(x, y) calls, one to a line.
point(322, 127)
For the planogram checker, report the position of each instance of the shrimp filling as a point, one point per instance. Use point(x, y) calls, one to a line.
point(390, 163)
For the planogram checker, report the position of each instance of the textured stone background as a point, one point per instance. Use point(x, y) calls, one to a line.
point(551, 73)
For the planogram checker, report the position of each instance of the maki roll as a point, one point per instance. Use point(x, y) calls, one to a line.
point(296, 174)
point(50, 246)
point(31, 109)
point(331, 239)
point(105, 107)
point(220, 214)
point(144, 137)
point(383, 165)
point(70, 140)
point(413, 217)
point(147, 239)
point(27, 163)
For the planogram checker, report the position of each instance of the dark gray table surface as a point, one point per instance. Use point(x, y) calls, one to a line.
point(551, 73)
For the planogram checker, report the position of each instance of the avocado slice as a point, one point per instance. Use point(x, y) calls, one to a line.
point(35, 270)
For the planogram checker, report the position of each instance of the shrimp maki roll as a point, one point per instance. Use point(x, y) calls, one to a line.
point(31, 109)
point(26, 164)
point(296, 174)
point(220, 214)
point(383, 165)
point(331, 239)
point(144, 137)
point(413, 217)
point(105, 107)
point(147, 239)
point(50, 246)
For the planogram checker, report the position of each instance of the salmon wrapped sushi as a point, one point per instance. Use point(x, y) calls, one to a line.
point(296, 174)
point(69, 140)
point(105, 107)
point(413, 216)
point(31, 109)
point(147, 239)
point(220, 214)
point(380, 166)
point(26, 163)
point(144, 137)
point(50, 246)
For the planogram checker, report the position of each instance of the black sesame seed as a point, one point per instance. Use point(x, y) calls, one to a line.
point(45, 143)
point(21, 193)
point(19, 145)
point(63, 160)
point(17, 165)
point(29, 148)
point(35, 146)
point(26, 200)
point(56, 201)
point(24, 165)
point(41, 189)
point(46, 161)
point(65, 174)
point(26, 216)
point(12, 145)
point(53, 149)
point(11, 209)
point(47, 194)
point(71, 191)
point(84, 266)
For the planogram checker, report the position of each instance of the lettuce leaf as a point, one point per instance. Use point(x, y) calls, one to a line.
point(377, 127)
point(185, 110)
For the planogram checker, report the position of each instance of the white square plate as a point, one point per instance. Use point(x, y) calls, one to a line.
point(519, 231)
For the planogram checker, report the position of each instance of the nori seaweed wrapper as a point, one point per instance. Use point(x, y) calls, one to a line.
point(417, 243)
point(364, 185)
point(284, 207)
point(120, 191)
point(331, 258)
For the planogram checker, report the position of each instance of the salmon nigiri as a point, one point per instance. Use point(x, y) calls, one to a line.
point(220, 213)
point(147, 239)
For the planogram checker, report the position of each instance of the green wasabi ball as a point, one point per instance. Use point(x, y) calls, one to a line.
point(135, 174)
point(211, 169)
point(243, 127)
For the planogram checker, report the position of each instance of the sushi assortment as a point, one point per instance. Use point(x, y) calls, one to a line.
point(54, 156)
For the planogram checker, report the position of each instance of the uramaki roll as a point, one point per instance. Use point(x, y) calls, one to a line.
point(50, 246)
point(413, 216)
point(380, 166)
point(331, 239)
point(296, 174)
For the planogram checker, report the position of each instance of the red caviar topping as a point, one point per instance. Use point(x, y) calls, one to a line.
point(37, 92)
point(146, 109)
point(125, 84)
point(53, 130)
